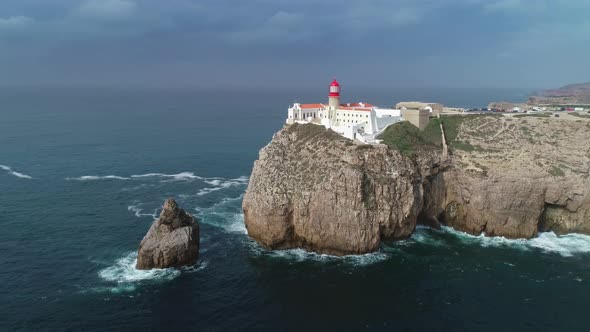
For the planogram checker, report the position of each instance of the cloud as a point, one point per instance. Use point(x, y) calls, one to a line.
point(503, 5)
point(106, 9)
point(126, 40)
point(15, 22)
point(280, 27)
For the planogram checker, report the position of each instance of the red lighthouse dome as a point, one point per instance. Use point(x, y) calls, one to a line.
point(334, 89)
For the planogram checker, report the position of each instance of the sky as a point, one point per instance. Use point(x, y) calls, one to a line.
point(269, 43)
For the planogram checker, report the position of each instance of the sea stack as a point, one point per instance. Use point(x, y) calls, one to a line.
point(172, 240)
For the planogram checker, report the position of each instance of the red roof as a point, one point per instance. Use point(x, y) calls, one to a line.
point(362, 109)
point(357, 105)
point(335, 83)
point(310, 106)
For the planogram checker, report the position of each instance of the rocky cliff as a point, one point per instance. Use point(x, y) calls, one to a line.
point(172, 240)
point(506, 176)
point(513, 176)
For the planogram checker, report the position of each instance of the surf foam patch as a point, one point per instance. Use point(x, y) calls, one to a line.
point(138, 212)
point(566, 245)
point(219, 184)
point(182, 176)
point(97, 177)
point(124, 271)
point(226, 214)
point(547, 242)
point(300, 255)
point(15, 173)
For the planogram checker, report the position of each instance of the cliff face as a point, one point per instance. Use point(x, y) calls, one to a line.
point(505, 176)
point(515, 176)
point(313, 189)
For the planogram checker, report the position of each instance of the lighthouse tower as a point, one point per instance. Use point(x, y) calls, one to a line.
point(334, 96)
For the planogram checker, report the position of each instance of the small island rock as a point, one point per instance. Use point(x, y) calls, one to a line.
point(172, 240)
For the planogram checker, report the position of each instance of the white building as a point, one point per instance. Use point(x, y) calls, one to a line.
point(362, 121)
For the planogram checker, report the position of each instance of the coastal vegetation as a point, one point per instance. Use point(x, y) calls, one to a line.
point(408, 139)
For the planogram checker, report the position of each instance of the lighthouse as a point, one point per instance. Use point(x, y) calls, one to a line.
point(334, 96)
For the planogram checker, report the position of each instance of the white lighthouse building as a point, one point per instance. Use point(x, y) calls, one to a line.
point(362, 121)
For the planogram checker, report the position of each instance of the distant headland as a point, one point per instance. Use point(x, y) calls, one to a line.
point(571, 97)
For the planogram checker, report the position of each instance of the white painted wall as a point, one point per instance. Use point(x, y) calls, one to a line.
point(383, 112)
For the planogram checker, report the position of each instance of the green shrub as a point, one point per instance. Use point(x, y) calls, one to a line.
point(556, 171)
point(406, 138)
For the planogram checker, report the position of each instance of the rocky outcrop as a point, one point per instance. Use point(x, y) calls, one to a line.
point(172, 240)
point(504, 176)
point(313, 189)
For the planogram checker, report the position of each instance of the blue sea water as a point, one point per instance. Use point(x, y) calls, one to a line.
point(83, 173)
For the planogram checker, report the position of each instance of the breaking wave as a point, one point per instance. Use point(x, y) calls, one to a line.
point(138, 212)
point(300, 255)
point(219, 184)
point(15, 173)
point(124, 271)
point(225, 214)
point(127, 277)
point(183, 176)
point(547, 242)
point(97, 177)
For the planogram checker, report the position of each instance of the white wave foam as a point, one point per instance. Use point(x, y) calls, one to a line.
point(97, 177)
point(196, 268)
point(547, 242)
point(565, 245)
point(124, 271)
point(300, 255)
point(232, 222)
point(232, 218)
point(220, 184)
point(183, 176)
point(138, 212)
point(15, 173)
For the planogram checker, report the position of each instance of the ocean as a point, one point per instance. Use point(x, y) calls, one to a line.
point(84, 172)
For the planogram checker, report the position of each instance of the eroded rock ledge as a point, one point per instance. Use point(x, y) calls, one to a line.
point(313, 189)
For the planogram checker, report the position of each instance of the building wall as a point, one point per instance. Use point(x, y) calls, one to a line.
point(417, 105)
point(385, 112)
point(296, 113)
point(345, 118)
point(418, 118)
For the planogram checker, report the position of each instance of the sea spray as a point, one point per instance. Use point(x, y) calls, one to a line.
point(301, 255)
point(547, 242)
point(124, 271)
point(15, 173)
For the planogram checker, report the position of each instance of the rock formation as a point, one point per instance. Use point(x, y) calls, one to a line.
point(505, 176)
point(314, 189)
point(172, 240)
point(515, 176)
